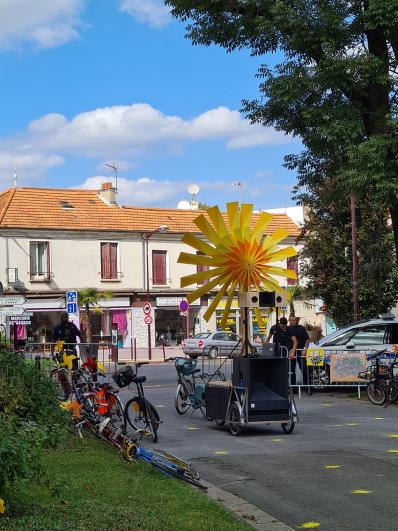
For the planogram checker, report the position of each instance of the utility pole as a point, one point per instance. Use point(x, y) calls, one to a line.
point(355, 296)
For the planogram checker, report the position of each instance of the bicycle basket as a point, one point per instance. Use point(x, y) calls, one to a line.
point(124, 376)
point(185, 366)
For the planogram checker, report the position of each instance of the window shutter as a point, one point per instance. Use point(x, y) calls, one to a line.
point(159, 267)
point(105, 261)
point(113, 260)
point(292, 263)
point(33, 261)
point(200, 268)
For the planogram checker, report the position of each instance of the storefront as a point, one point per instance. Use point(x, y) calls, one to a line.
point(42, 315)
point(172, 325)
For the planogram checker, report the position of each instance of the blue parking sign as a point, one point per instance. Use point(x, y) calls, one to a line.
point(71, 307)
point(71, 296)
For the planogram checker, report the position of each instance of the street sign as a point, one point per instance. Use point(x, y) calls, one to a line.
point(71, 296)
point(12, 310)
point(71, 307)
point(12, 301)
point(184, 305)
point(147, 308)
point(148, 320)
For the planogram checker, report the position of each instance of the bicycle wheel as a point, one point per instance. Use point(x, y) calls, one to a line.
point(182, 401)
point(288, 427)
point(234, 420)
point(174, 466)
point(376, 393)
point(60, 378)
point(142, 416)
point(115, 410)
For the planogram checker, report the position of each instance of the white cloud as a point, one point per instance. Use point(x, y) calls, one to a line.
point(152, 12)
point(29, 166)
point(45, 23)
point(126, 131)
point(142, 191)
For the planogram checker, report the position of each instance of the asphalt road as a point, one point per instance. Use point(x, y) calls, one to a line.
point(339, 468)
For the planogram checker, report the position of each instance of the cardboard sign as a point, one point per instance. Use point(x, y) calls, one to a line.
point(315, 357)
point(345, 366)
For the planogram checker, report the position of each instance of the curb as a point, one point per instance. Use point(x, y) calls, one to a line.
point(251, 514)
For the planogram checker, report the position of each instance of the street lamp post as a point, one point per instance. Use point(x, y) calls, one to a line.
point(161, 228)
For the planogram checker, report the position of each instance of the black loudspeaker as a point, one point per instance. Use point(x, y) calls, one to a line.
point(266, 380)
point(272, 299)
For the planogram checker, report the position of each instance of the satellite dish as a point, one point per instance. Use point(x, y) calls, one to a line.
point(184, 205)
point(193, 189)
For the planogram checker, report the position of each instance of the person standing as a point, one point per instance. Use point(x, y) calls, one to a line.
point(67, 332)
point(283, 337)
point(303, 340)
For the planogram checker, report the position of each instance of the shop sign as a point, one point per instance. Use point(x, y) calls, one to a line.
point(173, 301)
point(24, 319)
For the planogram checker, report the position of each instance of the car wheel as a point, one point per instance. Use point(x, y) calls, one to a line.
point(213, 352)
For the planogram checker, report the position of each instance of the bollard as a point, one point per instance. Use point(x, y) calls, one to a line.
point(37, 362)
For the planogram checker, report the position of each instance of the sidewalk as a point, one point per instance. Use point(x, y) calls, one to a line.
point(141, 354)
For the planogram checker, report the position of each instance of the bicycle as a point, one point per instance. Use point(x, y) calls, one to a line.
point(189, 393)
point(378, 375)
point(139, 412)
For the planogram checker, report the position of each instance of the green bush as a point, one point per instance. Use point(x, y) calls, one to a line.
point(30, 417)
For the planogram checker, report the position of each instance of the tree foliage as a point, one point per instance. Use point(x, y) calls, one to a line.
point(335, 88)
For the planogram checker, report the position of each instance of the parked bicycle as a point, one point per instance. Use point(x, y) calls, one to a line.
point(379, 375)
point(139, 412)
point(190, 393)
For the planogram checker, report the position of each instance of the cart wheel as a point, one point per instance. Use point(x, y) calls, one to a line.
point(234, 420)
point(220, 422)
point(288, 427)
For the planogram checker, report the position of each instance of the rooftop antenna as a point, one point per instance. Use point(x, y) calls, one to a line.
point(238, 186)
point(114, 166)
point(193, 189)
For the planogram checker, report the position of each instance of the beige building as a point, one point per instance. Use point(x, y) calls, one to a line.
point(55, 240)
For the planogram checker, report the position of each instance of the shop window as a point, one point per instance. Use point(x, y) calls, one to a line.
point(292, 264)
point(39, 260)
point(159, 268)
point(109, 261)
point(200, 268)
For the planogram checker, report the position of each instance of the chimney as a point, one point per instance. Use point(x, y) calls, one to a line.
point(107, 194)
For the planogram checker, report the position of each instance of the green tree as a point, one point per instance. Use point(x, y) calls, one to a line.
point(327, 255)
point(335, 87)
point(90, 299)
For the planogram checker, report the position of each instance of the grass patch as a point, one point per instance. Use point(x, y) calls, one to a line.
point(91, 488)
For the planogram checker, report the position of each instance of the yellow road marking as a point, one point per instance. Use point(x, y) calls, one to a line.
point(277, 440)
point(331, 466)
point(159, 405)
point(220, 452)
point(192, 428)
point(309, 525)
point(351, 424)
point(393, 435)
point(361, 491)
point(378, 418)
point(392, 451)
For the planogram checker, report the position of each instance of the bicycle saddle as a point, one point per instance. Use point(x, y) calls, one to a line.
point(139, 379)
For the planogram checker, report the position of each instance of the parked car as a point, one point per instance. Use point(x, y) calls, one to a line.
point(213, 344)
point(370, 335)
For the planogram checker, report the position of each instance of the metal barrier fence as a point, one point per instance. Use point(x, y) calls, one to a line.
point(103, 352)
point(313, 368)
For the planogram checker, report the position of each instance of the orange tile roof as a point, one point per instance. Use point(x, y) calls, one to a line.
point(40, 208)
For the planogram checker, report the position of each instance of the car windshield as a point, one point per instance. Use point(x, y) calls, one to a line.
point(201, 336)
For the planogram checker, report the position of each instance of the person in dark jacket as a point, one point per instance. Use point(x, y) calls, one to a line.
point(303, 340)
point(67, 332)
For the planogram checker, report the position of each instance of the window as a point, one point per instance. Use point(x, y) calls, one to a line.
point(292, 263)
point(39, 260)
point(109, 261)
point(369, 335)
point(342, 339)
point(159, 268)
point(220, 336)
point(200, 268)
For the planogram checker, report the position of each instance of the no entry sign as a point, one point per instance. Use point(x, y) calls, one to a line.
point(147, 308)
point(148, 320)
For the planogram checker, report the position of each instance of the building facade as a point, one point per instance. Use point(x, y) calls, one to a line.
point(55, 240)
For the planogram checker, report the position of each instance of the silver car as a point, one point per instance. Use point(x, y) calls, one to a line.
point(212, 344)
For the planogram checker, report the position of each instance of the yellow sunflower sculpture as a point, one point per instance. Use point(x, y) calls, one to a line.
point(237, 256)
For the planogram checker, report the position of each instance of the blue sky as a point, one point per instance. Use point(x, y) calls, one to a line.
point(84, 82)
